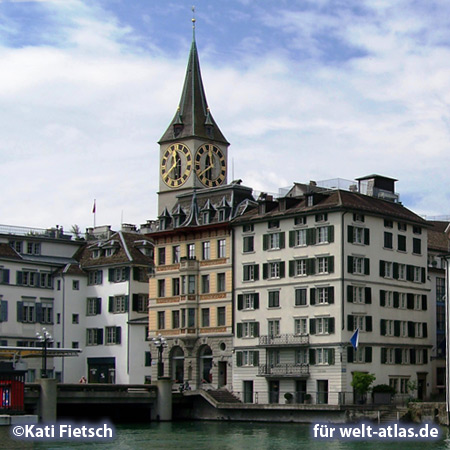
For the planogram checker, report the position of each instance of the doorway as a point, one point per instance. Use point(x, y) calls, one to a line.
point(248, 391)
point(300, 391)
point(274, 391)
point(222, 381)
point(421, 386)
point(322, 392)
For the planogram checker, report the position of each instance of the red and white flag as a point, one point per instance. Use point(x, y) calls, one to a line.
point(93, 208)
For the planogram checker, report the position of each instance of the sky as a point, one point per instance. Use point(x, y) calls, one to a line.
point(303, 90)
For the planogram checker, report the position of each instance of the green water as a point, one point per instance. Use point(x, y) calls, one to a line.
point(222, 436)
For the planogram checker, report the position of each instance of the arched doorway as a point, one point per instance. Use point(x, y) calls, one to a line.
point(177, 363)
point(206, 364)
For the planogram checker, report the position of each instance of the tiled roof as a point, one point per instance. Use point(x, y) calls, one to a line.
point(437, 238)
point(7, 252)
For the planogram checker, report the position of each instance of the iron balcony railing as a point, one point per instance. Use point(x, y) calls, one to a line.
point(283, 370)
point(283, 339)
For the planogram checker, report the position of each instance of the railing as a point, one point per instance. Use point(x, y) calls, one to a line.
point(284, 339)
point(283, 370)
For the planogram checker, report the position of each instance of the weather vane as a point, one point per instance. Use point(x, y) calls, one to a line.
point(193, 22)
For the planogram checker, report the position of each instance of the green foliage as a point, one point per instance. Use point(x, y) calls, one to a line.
point(288, 396)
point(383, 388)
point(361, 382)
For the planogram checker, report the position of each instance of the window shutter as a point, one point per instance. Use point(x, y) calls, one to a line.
point(424, 330)
point(291, 268)
point(135, 302)
point(383, 327)
point(118, 335)
point(312, 296)
point(310, 266)
point(256, 358)
point(424, 275)
point(265, 241)
point(330, 264)
point(256, 271)
point(425, 356)
point(331, 233)
point(368, 323)
point(111, 275)
point(330, 295)
point(350, 294)
point(240, 302)
point(331, 325)
point(19, 311)
point(395, 271)
point(424, 302)
point(4, 311)
point(239, 359)
point(136, 271)
point(312, 326)
point(99, 305)
point(368, 295)
point(412, 355)
point(291, 238)
point(411, 329)
point(255, 329)
point(350, 264)
point(350, 354)
point(282, 240)
point(239, 330)
point(312, 356)
point(310, 236)
point(256, 301)
point(368, 354)
point(110, 304)
point(331, 356)
point(396, 299)
point(382, 298)
point(383, 355)
point(398, 355)
point(39, 313)
point(100, 336)
point(366, 266)
point(5, 276)
point(366, 237)
point(282, 269)
point(265, 271)
point(396, 327)
point(127, 273)
point(350, 234)
point(410, 273)
point(410, 301)
point(127, 302)
point(382, 269)
point(19, 278)
point(349, 322)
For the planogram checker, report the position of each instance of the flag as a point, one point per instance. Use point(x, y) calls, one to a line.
point(354, 340)
point(93, 208)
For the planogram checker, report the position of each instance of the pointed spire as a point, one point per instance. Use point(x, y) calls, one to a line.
point(193, 118)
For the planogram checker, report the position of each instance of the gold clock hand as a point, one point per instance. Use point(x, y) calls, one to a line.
point(203, 171)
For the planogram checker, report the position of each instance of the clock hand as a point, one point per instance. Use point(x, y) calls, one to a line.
point(174, 158)
point(205, 170)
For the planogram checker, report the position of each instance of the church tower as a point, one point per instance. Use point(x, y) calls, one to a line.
point(193, 150)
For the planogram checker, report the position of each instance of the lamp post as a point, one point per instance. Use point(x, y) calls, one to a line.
point(45, 338)
point(160, 343)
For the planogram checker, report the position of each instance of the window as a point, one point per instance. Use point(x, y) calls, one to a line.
point(274, 299)
point(388, 223)
point(300, 220)
point(161, 288)
point(176, 254)
point(301, 357)
point(33, 248)
point(221, 282)
point(300, 267)
point(248, 228)
point(417, 274)
point(147, 359)
point(206, 250)
point(301, 326)
point(358, 294)
point(16, 245)
point(247, 329)
point(417, 246)
point(322, 295)
point(26, 312)
point(322, 264)
point(386, 269)
point(250, 272)
point(321, 217)
point(93, 306)
point(324, 356)
point(401, 241)
point(119, 274)
point(27, 278)
point(191, 318)
point(322, 325)
point(205, 284)
point(249, 358)
point(273, 357)
point(222, 248)
point(221, 316)
point(75, 319)
point(322, 235)
point(273, 224)
point(175, 286)
point(358, 265)
point(248, 244)
point(94, 336)
point(140, 303)
point(417, 302)
point(175, 319)
point(300, 297)
point(388, 240)
point(273, 241)
point(299, 238)
point(273, 270)
point(113, 335)
point(248, 301)
point(161, 320)
point(401, 271)
point(273, 327)
point(191, 284)
point(440, 289)
point(118, 304)
point(402, 300)
point(161, 256)
point(205, 317)
point(190, 250)
point(358, 217)
point(95, 277)
point(402, 226)
point(75, 344)
point(75, 285)
point(3, 311)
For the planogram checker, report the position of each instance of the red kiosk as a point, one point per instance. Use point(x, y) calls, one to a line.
point(12, 386)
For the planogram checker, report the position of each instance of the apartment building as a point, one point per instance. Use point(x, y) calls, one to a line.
point(312, 267)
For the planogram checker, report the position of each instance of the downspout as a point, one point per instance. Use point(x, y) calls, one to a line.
point(63, 322)
point(342, 344)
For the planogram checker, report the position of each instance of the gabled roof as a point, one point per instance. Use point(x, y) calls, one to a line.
point(6, 251)
point(437, 238)
point(193, 114)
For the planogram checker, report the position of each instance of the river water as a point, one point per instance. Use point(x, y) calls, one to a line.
point(222, 436)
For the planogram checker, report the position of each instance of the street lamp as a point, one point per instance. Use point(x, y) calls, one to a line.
point(160, 343)
point(45, 338)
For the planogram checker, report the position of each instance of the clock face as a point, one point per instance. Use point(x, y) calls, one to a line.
point(176, 165)
point(210, 165)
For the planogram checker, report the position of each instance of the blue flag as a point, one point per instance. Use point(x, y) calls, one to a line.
point(354, 340)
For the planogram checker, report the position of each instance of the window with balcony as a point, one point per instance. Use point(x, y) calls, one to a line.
point(301, 326)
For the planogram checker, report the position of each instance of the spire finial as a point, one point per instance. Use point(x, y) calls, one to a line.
point(193, 22)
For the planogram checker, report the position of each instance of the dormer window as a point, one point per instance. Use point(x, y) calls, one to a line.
point(109, 252)
point(177, 129)
point(96, 253)
point(206, 217)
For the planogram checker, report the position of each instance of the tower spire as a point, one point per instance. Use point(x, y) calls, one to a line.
point(193, 23)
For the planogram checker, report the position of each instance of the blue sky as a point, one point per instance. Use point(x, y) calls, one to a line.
point(303, 90)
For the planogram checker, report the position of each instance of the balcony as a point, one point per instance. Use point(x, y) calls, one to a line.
point(188, 264)
point(284, 370)
point(284, 340)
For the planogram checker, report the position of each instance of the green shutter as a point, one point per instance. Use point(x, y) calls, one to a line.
point(410, 301)
point(256, 301)
point(265, 241)
point(411, 329)
point(395, 271)
point(238, 359)
point(349, 322)
point(366, 266)
point(350, 354)
point(397, 328)
point(382, 268)
point(310, 266)
point(291, 238)
point(312, 326)
point(368, 355)
point(350, 234)
point(350, 264)
point(312, 356)
point(424, 330)
point(291, 268)
point(382, 327)
point(330, 295)
point(368, 295)
point(383, 355)
point(366, 236)
point(256, 272)
point(312, 296)
point(282, 240)
point(382, 298)
point(256, 358)
point(350, 294)
point(330, 264)
point(396, 299)
point(255, 329)
point(424, 275)
point(240, 302)
point(424, 302)
point(265, 271)
point(239, 330)
point(331, 233)
point(331, 356)
point(282, 269)
point(110, 304)
point(368, 323)
point(331, 325)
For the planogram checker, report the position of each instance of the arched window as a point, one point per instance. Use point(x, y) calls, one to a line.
point(206, 363)
point(177, 362)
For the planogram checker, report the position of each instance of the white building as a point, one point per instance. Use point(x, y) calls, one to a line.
point(311, 268)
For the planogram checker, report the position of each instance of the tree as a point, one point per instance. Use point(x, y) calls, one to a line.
point(361, 383)
point(76, 231)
